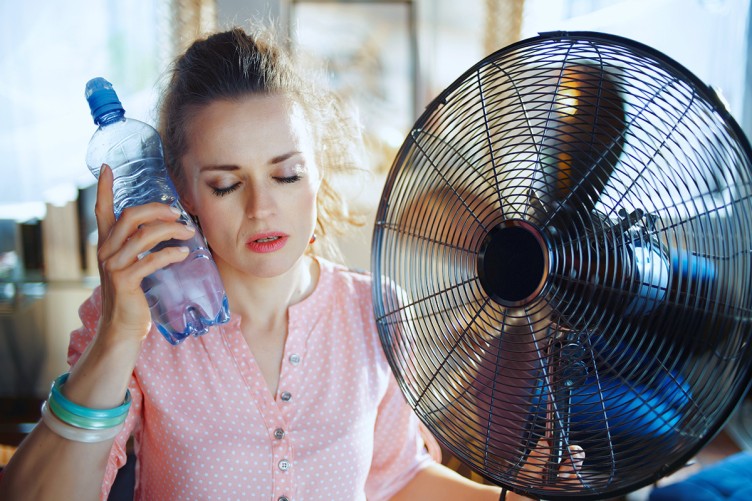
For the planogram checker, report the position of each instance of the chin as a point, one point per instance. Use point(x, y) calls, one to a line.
point(269, 266)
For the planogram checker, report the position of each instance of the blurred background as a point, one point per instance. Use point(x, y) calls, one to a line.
point(390, 58)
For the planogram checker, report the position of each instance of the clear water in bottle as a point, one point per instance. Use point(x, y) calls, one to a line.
point(185, 298)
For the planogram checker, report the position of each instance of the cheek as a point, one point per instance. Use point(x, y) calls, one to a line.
point(310, 204)
point(214, 219)
point(220, 233)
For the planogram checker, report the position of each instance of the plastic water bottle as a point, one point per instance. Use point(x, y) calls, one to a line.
point(185, 298)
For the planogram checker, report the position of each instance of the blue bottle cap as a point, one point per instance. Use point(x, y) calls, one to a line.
point(102, 98)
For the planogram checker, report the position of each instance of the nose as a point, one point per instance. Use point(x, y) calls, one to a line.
point(259, 203)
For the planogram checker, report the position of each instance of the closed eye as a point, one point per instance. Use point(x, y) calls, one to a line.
point(288, 179)
point(220, 192)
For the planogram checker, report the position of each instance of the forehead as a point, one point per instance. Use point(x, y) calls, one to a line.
point(263, 122)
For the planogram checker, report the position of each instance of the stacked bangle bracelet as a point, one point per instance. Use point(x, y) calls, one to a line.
point(74, 433)
point(78, 423)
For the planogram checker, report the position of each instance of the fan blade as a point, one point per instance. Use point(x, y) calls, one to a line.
point(580, 143)
point(512, 364)
point(584, 137)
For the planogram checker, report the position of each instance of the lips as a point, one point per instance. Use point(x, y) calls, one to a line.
point(266, 242)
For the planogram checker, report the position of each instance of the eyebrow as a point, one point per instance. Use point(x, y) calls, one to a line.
point(275, 160)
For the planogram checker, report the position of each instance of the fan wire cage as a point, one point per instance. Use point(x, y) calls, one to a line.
point(562, 252)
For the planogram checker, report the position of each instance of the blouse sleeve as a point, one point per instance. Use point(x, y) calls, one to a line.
point(399, 448)
point(80, 338)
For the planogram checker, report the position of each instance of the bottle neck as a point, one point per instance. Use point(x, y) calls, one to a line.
point(111, 117)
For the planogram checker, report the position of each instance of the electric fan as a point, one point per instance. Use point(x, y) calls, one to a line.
point(562, 251)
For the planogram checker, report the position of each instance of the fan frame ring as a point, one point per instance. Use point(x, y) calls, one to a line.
point(444, 98)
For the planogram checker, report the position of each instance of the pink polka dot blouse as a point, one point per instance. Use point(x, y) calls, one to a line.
point(206, 426)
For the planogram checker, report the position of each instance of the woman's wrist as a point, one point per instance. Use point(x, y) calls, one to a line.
point(112, 336)
point(79, 423)
point(100, 378)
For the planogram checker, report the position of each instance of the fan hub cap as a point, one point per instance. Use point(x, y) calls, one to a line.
point(513, 263)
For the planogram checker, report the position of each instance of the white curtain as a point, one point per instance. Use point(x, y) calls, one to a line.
point(190, 20)
point(503, 23)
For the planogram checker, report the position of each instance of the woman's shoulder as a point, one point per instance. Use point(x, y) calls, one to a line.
point(339, 276)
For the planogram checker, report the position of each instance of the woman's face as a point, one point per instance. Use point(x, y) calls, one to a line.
point(252, 180)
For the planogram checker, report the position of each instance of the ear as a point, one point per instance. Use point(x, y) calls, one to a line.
point(187, 205)
point(184, 195)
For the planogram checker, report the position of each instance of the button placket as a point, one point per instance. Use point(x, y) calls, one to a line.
point(284, 478)
point(291, 378)
point(282, 454)
point(290, 375)
point(281, 445)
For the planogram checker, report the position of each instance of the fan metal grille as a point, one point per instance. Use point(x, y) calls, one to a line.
point(636, 343)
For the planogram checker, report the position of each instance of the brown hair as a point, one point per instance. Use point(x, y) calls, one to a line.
point(234, 64)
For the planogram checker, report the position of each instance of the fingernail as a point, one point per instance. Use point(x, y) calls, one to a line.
point(175, 210)
point(565, 475)
point(183, 249)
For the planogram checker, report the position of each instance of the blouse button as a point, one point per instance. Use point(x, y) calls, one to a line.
point(279, 433)
point(286, 396)
point(284, 465)
point(283, 498)
point(294, 359)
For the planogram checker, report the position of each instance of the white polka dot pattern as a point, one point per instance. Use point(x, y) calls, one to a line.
point(207, 427)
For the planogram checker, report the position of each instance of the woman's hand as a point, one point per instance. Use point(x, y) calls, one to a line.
point(124, 258)
point(537, 467)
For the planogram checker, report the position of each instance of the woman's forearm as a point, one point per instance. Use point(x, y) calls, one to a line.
point(437, 483)
point(47, 466)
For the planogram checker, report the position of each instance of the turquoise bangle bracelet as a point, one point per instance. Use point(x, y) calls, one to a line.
point(83, 422)
point(86, 412)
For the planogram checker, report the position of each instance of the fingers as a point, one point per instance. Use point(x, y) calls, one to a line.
point(536, 463)
point(138, 231)
point(103, 209)
point(534, 469)
point(572, 463)
point(135, 222)
point(125, 257)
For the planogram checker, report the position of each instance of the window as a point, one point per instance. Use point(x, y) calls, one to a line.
point(49, 51)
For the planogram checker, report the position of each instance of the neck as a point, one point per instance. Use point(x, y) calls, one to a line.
point(261, 300)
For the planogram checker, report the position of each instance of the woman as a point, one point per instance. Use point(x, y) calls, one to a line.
point(293, 398)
